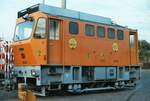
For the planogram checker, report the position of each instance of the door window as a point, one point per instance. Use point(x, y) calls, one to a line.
point(54, 29)
point(131, 39)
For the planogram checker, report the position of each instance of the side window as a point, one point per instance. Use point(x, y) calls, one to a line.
point(100, 31)
point(120, 35)
point(54, 30)
point(89, 30)
point(40, 28)
point(111, 33)
point(73, 28)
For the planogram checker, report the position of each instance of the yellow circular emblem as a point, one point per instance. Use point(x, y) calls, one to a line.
point(72, 43)
point(115, 47)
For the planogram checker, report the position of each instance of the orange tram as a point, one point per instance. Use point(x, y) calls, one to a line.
point(58, 49)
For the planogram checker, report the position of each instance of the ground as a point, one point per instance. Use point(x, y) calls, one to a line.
point(140, 93)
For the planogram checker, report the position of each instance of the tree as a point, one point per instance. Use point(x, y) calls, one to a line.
point(144, 51)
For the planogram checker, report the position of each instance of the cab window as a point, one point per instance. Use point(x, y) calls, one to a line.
point(73, 28)
point(54, 29)
point(40, 28)
point(120, 35)
point(100, 31)
point(89, 30)
point(111, 33)
point(23, 30)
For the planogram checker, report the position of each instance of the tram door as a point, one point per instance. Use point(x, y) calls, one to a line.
point(54, 43)
point(133, 48)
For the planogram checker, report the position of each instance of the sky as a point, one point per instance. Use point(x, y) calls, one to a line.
point(132, 13)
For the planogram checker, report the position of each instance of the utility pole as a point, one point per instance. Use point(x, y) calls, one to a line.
point(43, 1)
point(63, 4)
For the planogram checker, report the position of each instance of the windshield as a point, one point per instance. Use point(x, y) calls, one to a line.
point(23, 30)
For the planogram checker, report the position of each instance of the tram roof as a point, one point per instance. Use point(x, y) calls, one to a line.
point(56, 11)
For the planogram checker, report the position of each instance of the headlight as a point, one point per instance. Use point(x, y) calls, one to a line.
point(33, 73)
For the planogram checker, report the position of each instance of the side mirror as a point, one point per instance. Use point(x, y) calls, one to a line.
point(27, 17)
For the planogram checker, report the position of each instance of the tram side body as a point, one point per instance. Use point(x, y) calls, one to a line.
point(75, 61)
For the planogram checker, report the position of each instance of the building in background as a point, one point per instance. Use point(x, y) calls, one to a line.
point(6, 62)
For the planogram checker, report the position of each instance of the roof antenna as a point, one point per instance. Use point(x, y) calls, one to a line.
point(63, 4)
